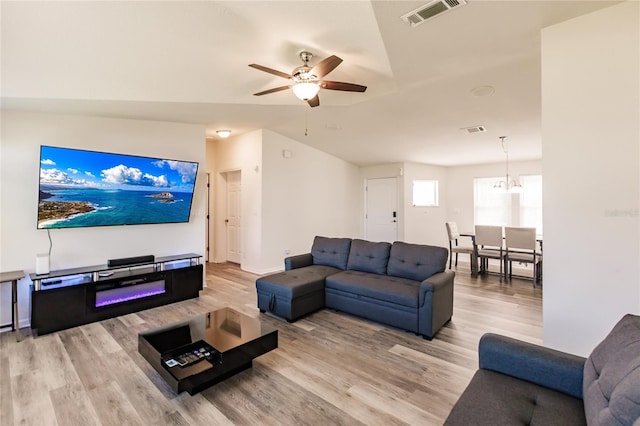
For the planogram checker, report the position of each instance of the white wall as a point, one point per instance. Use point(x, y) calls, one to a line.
point(590, 112)
point(285, 201)
point(20, 241)
point(425, 225)
point(311, 193)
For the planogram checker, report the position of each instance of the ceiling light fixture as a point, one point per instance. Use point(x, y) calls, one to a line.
point(305, 91)
point(223, 133)
point(508, 184)
point(306, 83)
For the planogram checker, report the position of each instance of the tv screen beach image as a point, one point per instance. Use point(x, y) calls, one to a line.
point(81, 188)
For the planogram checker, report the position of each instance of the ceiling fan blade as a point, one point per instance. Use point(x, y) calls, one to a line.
point(345, 87)
point(270, 71)
point(326, 66)
point(314, 102)
point(276, 89)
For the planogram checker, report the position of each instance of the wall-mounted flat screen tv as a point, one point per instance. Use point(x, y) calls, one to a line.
point(81, 188)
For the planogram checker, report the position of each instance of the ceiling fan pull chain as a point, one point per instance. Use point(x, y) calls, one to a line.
point(306, 125)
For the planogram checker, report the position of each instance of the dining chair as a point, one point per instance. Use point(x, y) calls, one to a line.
point(489, 243)
point(522, 247)
point(454, 236)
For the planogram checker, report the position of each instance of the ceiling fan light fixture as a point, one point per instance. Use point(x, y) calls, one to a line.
point(306, 81)
point(223, 133)
point(306, 91)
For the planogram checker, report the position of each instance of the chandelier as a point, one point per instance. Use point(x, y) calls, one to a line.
point(508, 184)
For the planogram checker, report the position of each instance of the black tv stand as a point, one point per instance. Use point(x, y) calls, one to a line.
point(71, 297)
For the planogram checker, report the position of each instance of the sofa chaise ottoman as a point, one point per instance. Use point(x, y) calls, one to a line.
point(292, 295)
point(519, 383)
point(403, 285)
point(300, 290)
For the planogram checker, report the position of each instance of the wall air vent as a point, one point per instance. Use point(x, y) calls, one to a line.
point(431, 10)
point(474, 129)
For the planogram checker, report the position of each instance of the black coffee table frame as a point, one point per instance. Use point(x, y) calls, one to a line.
point(237, 337)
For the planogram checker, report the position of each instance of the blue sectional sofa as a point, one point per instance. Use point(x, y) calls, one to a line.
point(520, 383)
point(403, 285)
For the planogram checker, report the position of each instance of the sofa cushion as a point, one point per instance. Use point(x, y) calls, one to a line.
point(296, 282)
point(382, 287)
point(331, 251)
point(611, 389)
point(367, 256)
point(415, 261)
point(497, 399)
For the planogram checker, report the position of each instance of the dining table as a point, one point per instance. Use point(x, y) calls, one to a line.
point(474, 255)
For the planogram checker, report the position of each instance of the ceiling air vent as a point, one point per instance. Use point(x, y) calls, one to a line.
point(431, 10)
point(474, 129)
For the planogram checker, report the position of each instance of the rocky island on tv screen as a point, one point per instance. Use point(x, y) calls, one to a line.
point(81, 188)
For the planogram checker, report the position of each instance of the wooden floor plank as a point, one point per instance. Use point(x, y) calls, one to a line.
point(86, 361)
point(330, 367)
point(72, 406)
point(31, 402)
point(6, 406)
point(328, 388)
point(197, 410)
point(55, 366)
point(148, 401)
point(113, 407)
point(396, 406)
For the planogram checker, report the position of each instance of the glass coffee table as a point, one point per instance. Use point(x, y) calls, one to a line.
point(194, 354)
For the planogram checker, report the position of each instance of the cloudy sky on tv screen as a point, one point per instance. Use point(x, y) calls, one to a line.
point(87, 188)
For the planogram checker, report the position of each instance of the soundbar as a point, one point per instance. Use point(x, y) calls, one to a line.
point(124, 261)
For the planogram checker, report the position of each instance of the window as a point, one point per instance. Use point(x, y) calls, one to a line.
point(531, 202)
point(494, 206)
point(491, 206)
point(425, 193)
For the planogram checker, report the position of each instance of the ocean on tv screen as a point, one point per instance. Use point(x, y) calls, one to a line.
point(86, 188)
point(64, 208)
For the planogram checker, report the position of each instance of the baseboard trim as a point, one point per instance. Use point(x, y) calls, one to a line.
point(262, 271)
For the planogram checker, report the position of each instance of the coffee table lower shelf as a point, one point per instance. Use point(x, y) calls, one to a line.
point(238, 338)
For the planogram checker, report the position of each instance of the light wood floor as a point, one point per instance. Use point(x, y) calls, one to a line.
point(330, 368)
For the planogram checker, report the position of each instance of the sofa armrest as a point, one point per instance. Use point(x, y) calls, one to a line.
point(298, 261)
point(543, 366)
point(434, 283)
point(435, 304)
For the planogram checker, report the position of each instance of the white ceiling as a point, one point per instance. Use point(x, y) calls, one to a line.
point(187, 62)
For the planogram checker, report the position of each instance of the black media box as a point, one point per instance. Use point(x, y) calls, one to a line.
point(124, 261)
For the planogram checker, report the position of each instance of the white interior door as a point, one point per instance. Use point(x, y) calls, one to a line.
point(381, 215)
point(232, 221)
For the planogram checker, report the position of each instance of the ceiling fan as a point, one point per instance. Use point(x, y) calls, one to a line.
point(306, 81)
